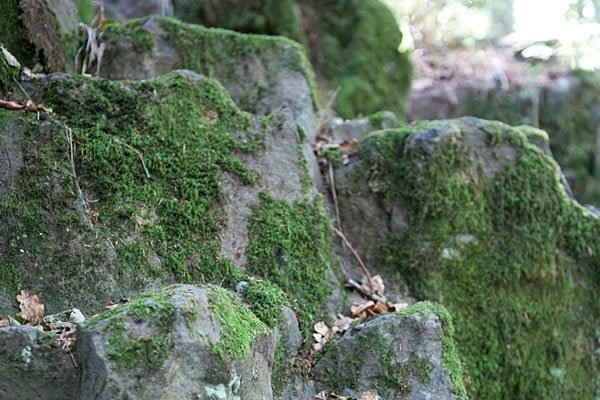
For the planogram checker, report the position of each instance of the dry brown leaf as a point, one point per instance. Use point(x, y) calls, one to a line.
point(378, 285)
point(370, 395)
point(32, 308)
point(379, 308)
point(358, 309)
point(341, 324)
point(111, 306)
point(320, 396)
point(4, 322)
point(321, 328)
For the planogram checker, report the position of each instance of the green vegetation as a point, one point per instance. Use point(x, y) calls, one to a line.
point(523, 292)
point(353, 44)
point(201, 49)
point(568, 118)
point(86, 10)
point(290, 245)
point(271, 17)
point(358, 52)
point(240, 326)
point(12, 33)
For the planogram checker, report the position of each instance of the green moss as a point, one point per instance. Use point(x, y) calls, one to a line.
point(240, 326)
point(383, 119)
point(140, 37)
point(86, 10)
point(7, 72)
point(146, 352)
point(271, 17)
point(202, 49)
point(358, 52)
point(512, 290)
point(450, 358)
point(290, 245)
point(12, 33)
point(184, 134)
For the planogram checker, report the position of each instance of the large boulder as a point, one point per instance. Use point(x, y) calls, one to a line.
point(261, 73)
point(33, 366)
point(146, 183)
point(352, 44)
point(567, 108)
point(409, 355)
point(179, 342)
point(471, 214)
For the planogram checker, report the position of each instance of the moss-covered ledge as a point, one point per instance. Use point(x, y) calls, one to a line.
point(481, 223)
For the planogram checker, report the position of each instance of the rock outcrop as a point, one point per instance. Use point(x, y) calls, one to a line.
point(472, 214)
point(261, 73)
point(33, 366)
point(178, 342)
point(407, 355)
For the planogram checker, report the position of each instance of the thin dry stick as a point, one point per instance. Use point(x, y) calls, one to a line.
point(22, 90)
point(362, 265)
point(139, 153)
point(69, 135)
point(334, 195)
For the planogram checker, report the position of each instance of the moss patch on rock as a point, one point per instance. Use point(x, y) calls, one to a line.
point(271, 17)
point(502, 246)
point(290, 245)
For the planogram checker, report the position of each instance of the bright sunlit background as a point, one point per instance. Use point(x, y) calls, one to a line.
point(544, 28)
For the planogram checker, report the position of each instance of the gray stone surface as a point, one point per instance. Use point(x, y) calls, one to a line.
point(345, 130)
point(100, 275)
point(34, 367)
point(121, 10)
point(189, 369)
point(262, 74)
point(399, 355)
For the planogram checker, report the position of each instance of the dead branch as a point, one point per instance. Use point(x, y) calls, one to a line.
point(362, 265)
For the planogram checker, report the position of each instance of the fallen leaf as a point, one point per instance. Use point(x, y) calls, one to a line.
point(320, 396)
point(32, 308)
point(10, 59)
point(379, 308)
point(4, 322)
point(370, 395)
point(111, 306)
point(341, 324)
point(321, 328)
point(358, 309)
point(378, 285)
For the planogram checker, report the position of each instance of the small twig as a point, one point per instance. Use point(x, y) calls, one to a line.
point(362, 265)
point(21, 87)
point(139, 153)
point(334, 195)
point(372, 295)
point(69, 135)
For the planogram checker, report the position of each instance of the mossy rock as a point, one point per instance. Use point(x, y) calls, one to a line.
point(171, 182)
point(43, 31)
point(409, 354)
point(269, 17)
point(183, 340)
point(567, 109)
point(471, 214)
point(261, 73)
point(352, 44)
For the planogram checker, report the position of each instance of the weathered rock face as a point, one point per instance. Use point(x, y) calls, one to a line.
point(567, 109)
point(473, 215)
point(261, 73)
point(409, 355)
point(369, 71)
point(33, 366)
point(174, 184)
point(178, 342)
point(346, 130)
